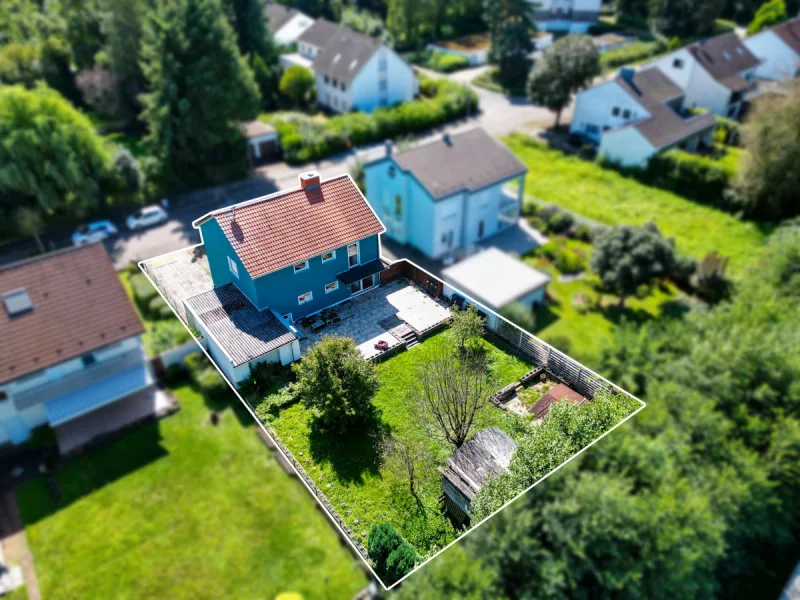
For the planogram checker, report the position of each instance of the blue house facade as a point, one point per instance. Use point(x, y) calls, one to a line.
point(448, 194)
point(296, 252)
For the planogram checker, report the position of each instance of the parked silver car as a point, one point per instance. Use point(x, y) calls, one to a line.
point(146, 217)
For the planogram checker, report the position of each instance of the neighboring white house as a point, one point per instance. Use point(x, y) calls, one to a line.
point(717, 74)
point(778, 48)
point(286, 24)
point(572, 16)
point(71, 348)
point(638, 114)
point(497, 279)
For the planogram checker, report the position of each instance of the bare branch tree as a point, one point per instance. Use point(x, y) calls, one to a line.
point(407, 458)
point(451, 394)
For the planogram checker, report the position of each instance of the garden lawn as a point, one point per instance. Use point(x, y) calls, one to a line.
point(609, 197)
point(347, 468)
point(182, 509)
point(585, 333)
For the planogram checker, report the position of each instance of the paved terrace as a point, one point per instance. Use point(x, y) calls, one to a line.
point(367, 318)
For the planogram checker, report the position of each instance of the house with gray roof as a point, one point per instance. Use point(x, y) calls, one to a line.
point(353, 71)
point(637, 115)
point(447, 194)
point(286, 24)
point(778, 49)
point(486, 455)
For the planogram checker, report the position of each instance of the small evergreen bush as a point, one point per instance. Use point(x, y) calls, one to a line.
point(400, 562)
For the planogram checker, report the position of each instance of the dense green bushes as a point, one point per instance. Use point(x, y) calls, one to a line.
point(634, 52)
point(305, 138)
point(698, 177)
point(147, 298)
point(393, 556)
point(443, 62)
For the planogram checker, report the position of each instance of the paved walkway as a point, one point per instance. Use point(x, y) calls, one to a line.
point(15, 543)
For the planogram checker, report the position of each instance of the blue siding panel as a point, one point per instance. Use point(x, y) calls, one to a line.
point(218, 249)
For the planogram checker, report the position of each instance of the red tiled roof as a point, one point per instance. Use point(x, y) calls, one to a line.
point(559, 392)
point(79, 305)
point(283, 229)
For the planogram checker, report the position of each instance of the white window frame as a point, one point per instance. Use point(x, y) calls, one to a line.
point(306, 268)
point(232, 267)
point(335, 287)
point(330, 258)
point(309, 299)
point(358, 254)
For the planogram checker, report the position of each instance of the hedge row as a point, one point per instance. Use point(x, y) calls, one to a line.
point(693, 176)
point(443, 62)
point(305, 138)
point(634, 52)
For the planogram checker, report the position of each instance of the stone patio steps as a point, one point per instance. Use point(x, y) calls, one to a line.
point(400, 330)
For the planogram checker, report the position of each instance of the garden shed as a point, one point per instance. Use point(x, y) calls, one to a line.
point(486, 455)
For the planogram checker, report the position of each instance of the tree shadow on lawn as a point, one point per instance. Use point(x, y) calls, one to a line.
point(87, 473)
point(351, 454)
point(219, 399)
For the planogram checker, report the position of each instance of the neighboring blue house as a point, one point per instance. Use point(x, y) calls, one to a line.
point(72, 356)
point(447, 194)
point(280, 258)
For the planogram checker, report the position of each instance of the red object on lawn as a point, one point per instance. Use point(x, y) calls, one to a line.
point(382, 345)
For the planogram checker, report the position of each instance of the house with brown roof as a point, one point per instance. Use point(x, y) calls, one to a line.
point(778, 49)
point(637, 115)
point(71, 344)
point(717, 74)
point(447, 194)
point(278, 259)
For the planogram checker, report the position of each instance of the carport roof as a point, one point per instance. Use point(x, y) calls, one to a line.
point(243, 332)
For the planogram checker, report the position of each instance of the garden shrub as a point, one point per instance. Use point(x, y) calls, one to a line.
point(382, 541)
point(633, 52)
point(209, 380)
point(274, 402)
point(729, 131)
point(443, 62)
point(304, 139)
point(143, 291)
point(400, 562)
point(583, 233)
point(560, 222)
point(691, 175)
point(174, 375)
point(158, 309)
point(566, 259)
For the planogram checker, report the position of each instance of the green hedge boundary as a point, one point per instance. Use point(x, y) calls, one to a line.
point(304, 139)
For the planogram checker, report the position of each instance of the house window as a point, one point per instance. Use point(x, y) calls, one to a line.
point(626, 114)
point(392, 171)
point(344, 86)
point(481, 227)
point(301, 266)
point(615, 111)
point(335, 83)
point(327, 79)
point(88, 359)
point(362, 285)
point(383, 85)
point(328, 256)
point(382, 64)
point(331, 287)
point(335, 102)
point(398, 205)
point(677, 63)
point(232, 266)
point(303, 298)
point(3, 395)
point(352, 255)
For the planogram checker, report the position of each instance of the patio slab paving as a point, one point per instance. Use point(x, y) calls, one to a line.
point(372, 311)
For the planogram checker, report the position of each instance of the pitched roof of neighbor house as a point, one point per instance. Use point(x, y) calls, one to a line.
point(77, 305)
point(652, 89)
point(789, 33)
point(290, 226)
point(487, 454)
point(346, 52)
point(467, 161)
point(243, 332)
point(724, 57)
point(553, 395)
point(320, 33)
point(495, 278)
point(278, 15)
point(253, 129)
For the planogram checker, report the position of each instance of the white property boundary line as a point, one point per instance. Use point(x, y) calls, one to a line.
point(289, 460)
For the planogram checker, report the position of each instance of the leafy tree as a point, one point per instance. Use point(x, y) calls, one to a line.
point(334, 379)
point(519, 314)
point(709, 279)
point(410, 22)
point(451, 395)
point(50, 152)
point(19, 64)
point(189, 50)
point(56, 68)
point(407, 457)
point(400, 562)
point(769, 175)
point(125, 31)
point(297, 84)
point(268, 81)
point(454, 574)
point(382, 541)
point(626, 257)
point(565, 68)
point(84, 29)
point(511, 33)
point(29, 221)
point(685, 18)
point(771, 13)
point(638, 9)
point(130, 177)
point(466, 328)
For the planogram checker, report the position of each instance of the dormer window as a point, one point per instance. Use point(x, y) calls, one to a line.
point(677, 63)
point(615, 111)
point(726, 55)
point(301, 266)
point(626, 114)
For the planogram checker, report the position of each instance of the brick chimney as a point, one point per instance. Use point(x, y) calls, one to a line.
point(309, 179)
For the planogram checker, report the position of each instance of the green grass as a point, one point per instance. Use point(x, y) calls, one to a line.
point(489, 80)
point(588, 331)
point(348, 470)
point(607, 196)
point(182, 509)
point(160, 334)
